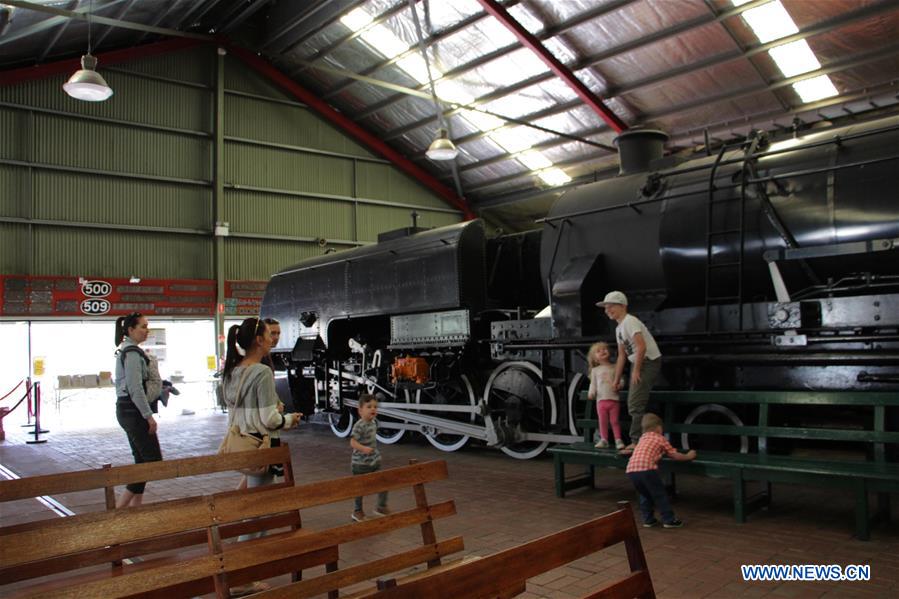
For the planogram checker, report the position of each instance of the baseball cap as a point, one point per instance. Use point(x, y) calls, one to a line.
point(613, 297)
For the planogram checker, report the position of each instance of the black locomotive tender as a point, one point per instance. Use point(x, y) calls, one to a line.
point(765, 266)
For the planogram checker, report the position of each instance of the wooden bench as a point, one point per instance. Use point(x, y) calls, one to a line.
point(875, 474)
point(107, 478)
point(88, 542)
point(493, 575)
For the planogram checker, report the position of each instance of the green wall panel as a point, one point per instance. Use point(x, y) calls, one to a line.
point(385, 182)
point(13, 241)
point(254, 212)
point(274, 168)
point(77, 252)
point(12, 181)
point(258, 259)
point(136, 100)
point(196, 65)
point(239, 77)
point(13, 134)
point(69, 142)
point(374, 219)
point(98, 199)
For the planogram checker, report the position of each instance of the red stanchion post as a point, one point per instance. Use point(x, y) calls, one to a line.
point(28, 405)
point(37, 417)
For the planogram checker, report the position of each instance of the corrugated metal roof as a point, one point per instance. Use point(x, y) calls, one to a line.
point(685, 67)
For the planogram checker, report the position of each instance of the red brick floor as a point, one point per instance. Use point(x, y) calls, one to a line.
point(501, 502)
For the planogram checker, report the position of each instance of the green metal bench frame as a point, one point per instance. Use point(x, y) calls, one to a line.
point(877, 475)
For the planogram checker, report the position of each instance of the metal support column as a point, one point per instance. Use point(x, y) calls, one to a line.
point(218, 205)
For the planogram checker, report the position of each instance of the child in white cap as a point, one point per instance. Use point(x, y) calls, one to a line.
point(640, 348)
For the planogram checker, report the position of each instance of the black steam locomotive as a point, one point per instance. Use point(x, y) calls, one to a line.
point(768, 265)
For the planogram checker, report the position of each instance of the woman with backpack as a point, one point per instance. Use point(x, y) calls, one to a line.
point(133, 408)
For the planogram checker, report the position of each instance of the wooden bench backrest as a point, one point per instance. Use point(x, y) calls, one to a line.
point(490, 576)
point(26, 546)
point(108, 477)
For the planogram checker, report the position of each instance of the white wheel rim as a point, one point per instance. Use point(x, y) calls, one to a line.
point(463, 439)
point(553, 410)
point(572, 403)
point(335, 417)
point(396, 434)
point(717, 409)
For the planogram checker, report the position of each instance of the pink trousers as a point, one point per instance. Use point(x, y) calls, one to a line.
point(606, 410)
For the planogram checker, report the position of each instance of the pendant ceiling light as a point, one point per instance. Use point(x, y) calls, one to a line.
point(442, 148)
point(87, 84)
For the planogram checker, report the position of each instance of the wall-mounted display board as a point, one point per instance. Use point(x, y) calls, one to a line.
point(85, 296)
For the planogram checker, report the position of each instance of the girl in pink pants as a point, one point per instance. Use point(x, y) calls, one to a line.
point(602, 389)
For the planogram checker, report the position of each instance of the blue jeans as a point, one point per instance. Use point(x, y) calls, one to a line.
point(365, 469)
point(651, 494)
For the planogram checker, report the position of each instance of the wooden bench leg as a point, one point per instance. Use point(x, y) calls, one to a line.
point(862, 518)
point(739, 497)
point(559, 467)
point(332, 567)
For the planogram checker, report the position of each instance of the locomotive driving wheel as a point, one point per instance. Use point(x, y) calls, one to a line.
point(515, 393)
point(457, 391)
point(386, 434)
point(342, 422)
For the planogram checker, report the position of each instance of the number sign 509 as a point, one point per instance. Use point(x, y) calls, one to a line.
point(96, 288)
point(94, 306)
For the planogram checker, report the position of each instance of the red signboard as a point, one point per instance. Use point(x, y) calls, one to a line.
point(83, 296)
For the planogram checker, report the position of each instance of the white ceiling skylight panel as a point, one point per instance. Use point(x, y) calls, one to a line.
point(514, 140)
point(771, 22)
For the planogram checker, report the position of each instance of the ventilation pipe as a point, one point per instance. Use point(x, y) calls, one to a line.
point(637, 149)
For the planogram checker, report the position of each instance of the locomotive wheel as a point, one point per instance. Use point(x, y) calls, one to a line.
point(457, 392)
point(575, 407)
point(720, 413)
point(342, 422)
point(392, 435)
point(515, 389)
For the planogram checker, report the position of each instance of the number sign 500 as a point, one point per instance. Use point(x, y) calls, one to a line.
point(96, 288)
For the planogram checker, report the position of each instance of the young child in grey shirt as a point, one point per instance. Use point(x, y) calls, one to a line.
point(366, 457)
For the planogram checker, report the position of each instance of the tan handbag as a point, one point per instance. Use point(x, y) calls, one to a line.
point(236, 441)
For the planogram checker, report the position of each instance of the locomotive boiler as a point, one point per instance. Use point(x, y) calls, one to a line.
point(766, 265)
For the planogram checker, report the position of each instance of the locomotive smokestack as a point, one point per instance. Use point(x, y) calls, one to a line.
point(638, 148)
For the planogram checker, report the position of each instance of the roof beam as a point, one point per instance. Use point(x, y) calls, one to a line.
point(108, 29)
point(104, 20)
point(69, 66)
point(340, 120)
point(251, 9)
point(49, 23)
point(825, 26)
point(547, 33)
point(57, 35)
point(310, 22)
point(555, 65)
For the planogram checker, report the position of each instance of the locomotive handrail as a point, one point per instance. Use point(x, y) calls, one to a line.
point(835, 139)
point(770, 178)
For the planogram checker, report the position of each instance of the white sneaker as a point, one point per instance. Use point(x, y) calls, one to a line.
point(619, 444)
point(602, 444)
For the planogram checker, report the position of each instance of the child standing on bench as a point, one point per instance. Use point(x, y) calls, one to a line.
point(643, 471)
point(636, 345)
point(602, 390)
point(366, 457)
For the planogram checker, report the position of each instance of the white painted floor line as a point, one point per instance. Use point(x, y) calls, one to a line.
point(58, 508)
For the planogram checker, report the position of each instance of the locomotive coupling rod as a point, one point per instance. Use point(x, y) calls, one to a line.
point(834, 249)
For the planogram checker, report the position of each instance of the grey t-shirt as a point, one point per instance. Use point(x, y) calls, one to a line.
point(364, 434)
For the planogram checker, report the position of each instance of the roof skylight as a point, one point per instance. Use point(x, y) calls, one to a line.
point(511, 139)
point(770, 22)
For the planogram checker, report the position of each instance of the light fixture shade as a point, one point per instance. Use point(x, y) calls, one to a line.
point(87, 84)
point(442, 148)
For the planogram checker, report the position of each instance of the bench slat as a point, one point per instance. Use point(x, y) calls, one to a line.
point(86, 480)
point(367, 571)
point(784, 432)
point(493, 574)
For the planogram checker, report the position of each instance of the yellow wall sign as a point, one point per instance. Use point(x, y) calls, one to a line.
point(38, 366)
point(210, 362)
